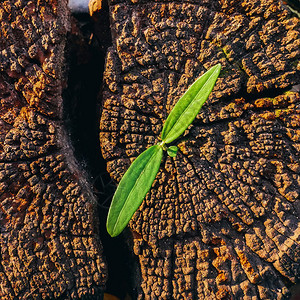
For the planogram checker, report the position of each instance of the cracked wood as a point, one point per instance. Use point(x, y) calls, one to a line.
point(48, 231)
point(222, 219)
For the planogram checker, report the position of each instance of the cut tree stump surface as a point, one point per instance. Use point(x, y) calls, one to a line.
point(222, 218)
point(48, 231)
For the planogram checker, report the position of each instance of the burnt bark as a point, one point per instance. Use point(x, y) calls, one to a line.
point(222, 218)
point(48, 228)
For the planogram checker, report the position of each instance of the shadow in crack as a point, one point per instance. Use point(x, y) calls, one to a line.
point(85, 55)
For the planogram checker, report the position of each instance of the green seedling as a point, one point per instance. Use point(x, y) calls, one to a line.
point(172, 151)
point(139, 177)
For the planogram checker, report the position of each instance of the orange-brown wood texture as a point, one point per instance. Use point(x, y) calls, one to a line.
point(222, 218)
point(49, 244)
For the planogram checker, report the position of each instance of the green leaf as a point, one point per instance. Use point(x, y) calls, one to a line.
point(172, 151)
point(189, 105)
point(133, 188)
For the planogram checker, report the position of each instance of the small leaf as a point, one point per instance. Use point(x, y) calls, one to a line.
point(172, 151)
point(189, 105)
point(133, 188)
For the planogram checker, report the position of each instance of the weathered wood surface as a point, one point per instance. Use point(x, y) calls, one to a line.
point(222, 218)
point(49, 245)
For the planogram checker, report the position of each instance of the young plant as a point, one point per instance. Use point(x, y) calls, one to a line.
point(138, 179)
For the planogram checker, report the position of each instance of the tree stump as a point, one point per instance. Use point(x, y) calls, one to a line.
point(222, 218)
point(49, 232)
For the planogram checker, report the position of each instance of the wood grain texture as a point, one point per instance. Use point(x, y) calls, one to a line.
point(222, 219)
point(49, 245)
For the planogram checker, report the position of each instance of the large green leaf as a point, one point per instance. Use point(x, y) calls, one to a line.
point(189, 105)
point(132, 189)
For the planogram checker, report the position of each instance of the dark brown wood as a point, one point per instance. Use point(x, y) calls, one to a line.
point(48, 228)
point(222, 218)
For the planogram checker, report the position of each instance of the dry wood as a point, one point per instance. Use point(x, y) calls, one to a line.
point(48, 231)
point(222, 221)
